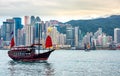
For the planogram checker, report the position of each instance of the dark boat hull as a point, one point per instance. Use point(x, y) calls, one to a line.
point(32, 57)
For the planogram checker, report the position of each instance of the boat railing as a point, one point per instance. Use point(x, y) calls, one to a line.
point(23, 48)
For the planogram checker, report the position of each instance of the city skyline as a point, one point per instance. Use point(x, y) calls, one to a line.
point(73, 38)
point(3, 18)
point(58, 9)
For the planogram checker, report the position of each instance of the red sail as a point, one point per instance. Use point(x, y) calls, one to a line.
point(12, 43)
point(48, 43)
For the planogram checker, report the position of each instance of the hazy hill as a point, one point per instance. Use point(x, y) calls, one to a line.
point(107, 24)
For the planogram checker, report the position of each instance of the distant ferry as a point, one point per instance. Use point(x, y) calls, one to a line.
point(87, 47)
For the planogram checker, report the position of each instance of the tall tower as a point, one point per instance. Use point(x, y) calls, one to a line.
point(29, 35)
point(37, 27)
point(29, 29)
point(26, 20)
point(70, 35)
point(32, 21)
point(17, 26)
point(76, 36)
point(6, 29)
point(117, 35)
point(54, 35)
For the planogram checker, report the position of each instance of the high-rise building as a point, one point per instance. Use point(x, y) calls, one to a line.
point(38, 19)
point(38, 28)
point(54, 35)
point(80, 37)
point(76, 36)
point(0, 33)
point(99, 32)
point(29, 35)
point(17, 26)
point(87, 38)
point(42, 24)
point(26, 20)
point(29, 30)
point(62, 39)
point(117, 35)
point(47, 24)
point(32, 21)
point(70, 35)
point(6, 29)
point(104, 40)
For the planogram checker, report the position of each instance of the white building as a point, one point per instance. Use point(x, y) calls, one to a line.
point(117, 35)
point(55, 36)
point(76, 36)
point(98, 32)
point(62, 39)
point(29, 35)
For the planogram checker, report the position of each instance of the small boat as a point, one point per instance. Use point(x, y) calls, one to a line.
point(28, 53)
point(87, 47)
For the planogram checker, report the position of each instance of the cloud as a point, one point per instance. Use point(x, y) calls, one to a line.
point(59, 7)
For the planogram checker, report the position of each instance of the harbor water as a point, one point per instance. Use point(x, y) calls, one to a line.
point(65, 63)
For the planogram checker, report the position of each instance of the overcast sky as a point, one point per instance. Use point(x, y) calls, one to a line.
point(62, 10)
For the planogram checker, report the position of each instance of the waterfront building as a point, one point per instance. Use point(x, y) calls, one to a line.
point(29, 28)
point(117, 35)
point(70, 35)
point(23, 34)
point(26, 20)
point(38, 19)
point(104, 40)
point(32, 23)
point(98, 32)
point(47, 24)
point(38, 28)
point(43, 26)
point(87, 39)
point(110, 39)
point(17, 26)
point(80, 36)
point(29, 35)
point(100, 40)
point(54, 35)
point(0, 33)
point(6, 29)
point(32, 20)
point(76, 36)
point(62, 39)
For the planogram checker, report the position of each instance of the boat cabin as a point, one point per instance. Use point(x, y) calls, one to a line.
point(28, 51)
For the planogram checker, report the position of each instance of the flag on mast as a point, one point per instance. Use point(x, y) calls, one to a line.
point(12, 43)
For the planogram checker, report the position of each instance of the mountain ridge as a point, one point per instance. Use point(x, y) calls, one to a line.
point(91, 25)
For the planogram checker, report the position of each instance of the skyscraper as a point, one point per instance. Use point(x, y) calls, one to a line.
point(70, 35)
point(117, 35)
point(54, 35)
point(29, 29)
point(38, 27)
point(76, 36)
point(6, 29)
point(62, 39)
point(27, 20)
point(29, 34)
point(38, 19)
point(32, 21)
point(17, 26)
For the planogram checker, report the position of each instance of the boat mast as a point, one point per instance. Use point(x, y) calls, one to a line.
point(30, 34)
point(14, 32)
point(38, 37)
